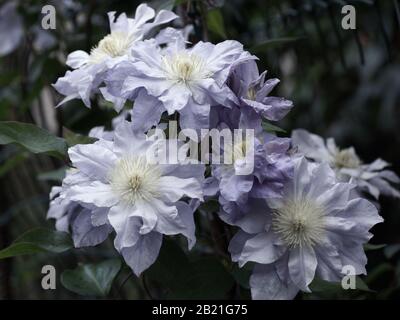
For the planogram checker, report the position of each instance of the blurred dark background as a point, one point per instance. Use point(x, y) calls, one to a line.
point(344, 83)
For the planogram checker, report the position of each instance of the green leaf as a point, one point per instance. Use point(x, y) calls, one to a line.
point(273, 43)
point(92, 279)
point(370, 247)
point(326, 287)
point(55, 175)
point(38, 240)
point(32, 138)
point(382, 273)
point(215, 23)
point(12, 162)
point(73, 138)
point(211, 279)
point(171, 267)
point(392, 250)
point(362, 286)
point(272, 128)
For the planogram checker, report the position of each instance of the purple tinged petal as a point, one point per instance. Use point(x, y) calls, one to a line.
point(84, 234)
point(176, 97)
point(99, 216)
point(256, 219)
point(185, 213)
point(266, 88)
point(195, 116)
point(146, 112)
point(266, 284)
point(361, 212)
point(302, 266)
point(335, 197)
point(233, 186)
point(77, 59)
point(97, 193)
point(117, 102)
point(143, 14)
point(127, 140)
point(144, 253)
point(329, 266)
point(164, 16)
point(277, 108)
point(260, 249)
point(94, 160)
point(311, 145)
point(190, 187)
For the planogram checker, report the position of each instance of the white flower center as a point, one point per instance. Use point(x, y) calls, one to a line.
point(251, 94)
point(184, 67)
point(133, 178)
point(346, 158)
point(114, 45)
point(300, 223)
point(240, 150)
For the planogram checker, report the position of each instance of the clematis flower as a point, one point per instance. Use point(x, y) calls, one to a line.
point(253, 91)
point(87, 224)
point(90, 68)
point(188, 81)
point(260, 164)
point(143, 199)
point(315, 229)
point(373, 178)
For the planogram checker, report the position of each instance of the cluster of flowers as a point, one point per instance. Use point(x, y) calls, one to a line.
point(300, 213)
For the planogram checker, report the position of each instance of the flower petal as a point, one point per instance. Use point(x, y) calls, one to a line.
point(144, 253)
point(84, 234)
point(77, 59)
point(302, 266)
point(266, 284)
point(96, 192)
point(173, 189)
point(94, 160)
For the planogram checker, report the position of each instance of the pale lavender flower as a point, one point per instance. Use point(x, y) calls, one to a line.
point(374, 178)
point(87, 224)
point(90, 68)
point(315, 229)
point(143, 199)
point(270, 163)
point(188, 81)
point(253, 90)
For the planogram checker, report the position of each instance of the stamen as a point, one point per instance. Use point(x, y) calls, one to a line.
point(133, 178)
point(346, 158)
point(113, 45)
point(184, 67)
point(300, 223)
